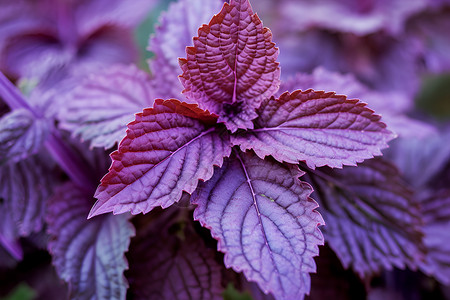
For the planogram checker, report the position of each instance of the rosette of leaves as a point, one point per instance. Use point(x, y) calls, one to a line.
point(236, 150)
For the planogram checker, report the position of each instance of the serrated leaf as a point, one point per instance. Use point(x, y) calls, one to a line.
point(436, 214)
point(232, 66)
point(168, 148)
point(89, 255)
point(322, 129)
point(372, 220)
point(168, 260)
point(21, 135)
point(173, 34)
point(99, 108)
point(264, 221)
point(393, 111)
point(25, 188)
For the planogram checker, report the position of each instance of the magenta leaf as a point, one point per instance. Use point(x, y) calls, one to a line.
point(372, 220)
point(393, 111)
point(182, 267)
point(168, 148)
point(436, 212)
point(99, 108)
point(21, 135)
point(264, 221)
point(322, 129)
point(25, 188)
point(232, 66)
point(173, 34)
point(89, 255)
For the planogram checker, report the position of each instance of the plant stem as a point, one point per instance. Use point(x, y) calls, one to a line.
point(67, 159)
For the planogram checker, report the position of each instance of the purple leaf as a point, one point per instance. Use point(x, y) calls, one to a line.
point(93, 14)
point(430, 31)
point(232, 66)
point(58, 39)
point(347, 84)
point(265, 222)
point(175, 31)
point(168, 148)
point(353, 16)
point(9, 239)
point(424, 155)
point(381, 62)
point(436, 212)
point(89, 255)
point(322, 129)
point(25, 188)
point(180, 265)
point(372, 220)
point(390, 104)
point(21, 135)
point(98, 109)
point(17, 17)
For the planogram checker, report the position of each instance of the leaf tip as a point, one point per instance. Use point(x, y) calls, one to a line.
point(98, 209)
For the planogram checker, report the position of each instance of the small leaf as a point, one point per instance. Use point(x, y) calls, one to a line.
point(265, 223)
point(25, 188)
point(322, 129)
point(172, 265)
point(436, 212)
point(168, 148)
point(89, 255)
point(232, 66)
point(21, 135)
point(173, 34)
point(373, 222)
point(100, 106)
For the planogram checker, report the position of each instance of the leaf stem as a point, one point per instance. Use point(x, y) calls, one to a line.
point(66, 158)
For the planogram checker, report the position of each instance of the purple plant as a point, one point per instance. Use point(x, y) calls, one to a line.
point(233, 160)
point(252, 201)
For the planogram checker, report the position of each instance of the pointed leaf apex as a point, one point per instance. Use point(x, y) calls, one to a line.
point(232, 66)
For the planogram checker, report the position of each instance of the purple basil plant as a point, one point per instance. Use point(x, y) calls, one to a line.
point(243, 145)
point(226, 178)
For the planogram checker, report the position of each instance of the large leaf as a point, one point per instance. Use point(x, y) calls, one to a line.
point(393, 111)
point(168, 148)
point(89, 255)
point(265, 222)
point(316, 127)
point(103, 103)
point(168, 260)
point(232, 66)
point(21, 135)
point(372, 220)
point(436, 214)
point(173, 34)
point(25, 188)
